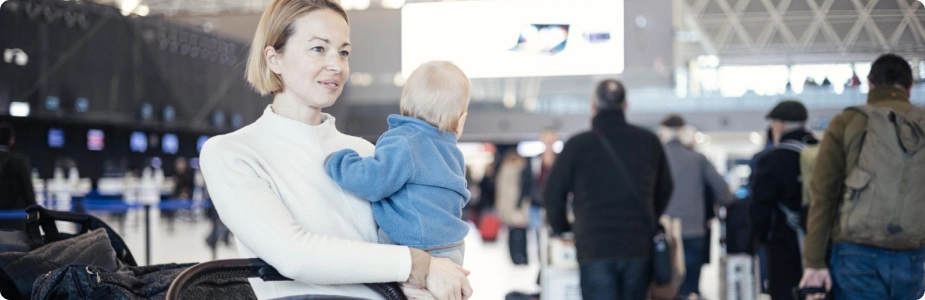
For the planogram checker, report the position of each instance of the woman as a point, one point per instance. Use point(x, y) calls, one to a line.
point(513, 204)
point(267, 179)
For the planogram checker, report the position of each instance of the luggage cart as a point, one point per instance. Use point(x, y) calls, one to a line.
point(559, 273)
point(739, 273)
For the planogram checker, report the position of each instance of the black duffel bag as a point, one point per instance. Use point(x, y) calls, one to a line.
point(19, 270)
point(28, 253)
point(37, 217)
point(79, 281)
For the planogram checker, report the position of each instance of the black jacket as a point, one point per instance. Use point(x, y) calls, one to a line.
point(777, 180)
point(16, 190)
point(608, 222)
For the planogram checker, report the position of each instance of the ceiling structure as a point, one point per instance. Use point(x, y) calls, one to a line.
point(753, 28)
point(738, 32)
point(175, 8)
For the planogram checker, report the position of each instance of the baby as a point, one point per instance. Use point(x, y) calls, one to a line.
point(416, 178)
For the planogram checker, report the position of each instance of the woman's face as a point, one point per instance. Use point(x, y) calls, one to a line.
point(313, 64)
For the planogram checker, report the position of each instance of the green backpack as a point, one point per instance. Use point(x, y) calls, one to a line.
point(884, 200)
point(808, 153)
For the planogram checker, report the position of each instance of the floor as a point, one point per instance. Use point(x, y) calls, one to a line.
point(493, 273)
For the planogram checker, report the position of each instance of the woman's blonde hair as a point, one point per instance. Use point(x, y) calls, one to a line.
point(274, 29)
point(436, 92)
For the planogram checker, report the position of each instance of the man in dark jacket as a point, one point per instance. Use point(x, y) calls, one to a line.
point(16, 190)
point(777, 198)
point(613, 217)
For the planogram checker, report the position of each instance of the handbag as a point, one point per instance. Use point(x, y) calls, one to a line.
point(676, 248)
point(661, 255)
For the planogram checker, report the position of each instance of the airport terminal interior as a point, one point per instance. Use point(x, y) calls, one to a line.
point(109, 104)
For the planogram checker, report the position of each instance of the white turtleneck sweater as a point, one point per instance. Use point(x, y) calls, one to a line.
point(268, 184)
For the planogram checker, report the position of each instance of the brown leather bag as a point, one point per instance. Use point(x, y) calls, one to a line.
point(676, 249)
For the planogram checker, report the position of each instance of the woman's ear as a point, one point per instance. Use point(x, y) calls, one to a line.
point(272, 57)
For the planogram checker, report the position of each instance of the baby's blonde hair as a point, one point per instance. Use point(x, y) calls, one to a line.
point(436, 92)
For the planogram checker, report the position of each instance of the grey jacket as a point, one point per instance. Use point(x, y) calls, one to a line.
point(692, 173)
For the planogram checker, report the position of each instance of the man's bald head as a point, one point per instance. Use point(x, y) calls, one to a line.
point(609, 95)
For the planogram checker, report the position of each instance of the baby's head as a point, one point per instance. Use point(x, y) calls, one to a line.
point(438, 93)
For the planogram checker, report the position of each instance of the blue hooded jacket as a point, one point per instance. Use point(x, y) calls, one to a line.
point(415, 180)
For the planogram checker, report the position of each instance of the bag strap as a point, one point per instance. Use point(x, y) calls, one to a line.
point(623, 173)
point(39, 216)
point(793, 145)
point(912, 121)
point(793, 221)
point(865, 110)
point(32, 230)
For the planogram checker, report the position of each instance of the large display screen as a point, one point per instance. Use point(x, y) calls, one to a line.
point(170, 143)
point(138, 141)
point(515, 38)
point(55, 138)
point(95, 140)
point(201, 141)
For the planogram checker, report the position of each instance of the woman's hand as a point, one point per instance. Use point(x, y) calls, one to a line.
point(447, 280)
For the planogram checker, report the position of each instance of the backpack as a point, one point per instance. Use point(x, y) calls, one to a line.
point(808, 153)
point(884, 198)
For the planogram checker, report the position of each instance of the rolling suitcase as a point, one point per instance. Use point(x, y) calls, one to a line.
point(517, 242)
point(489, 225)
point(739, 277)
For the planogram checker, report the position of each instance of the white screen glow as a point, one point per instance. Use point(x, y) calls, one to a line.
point(491, 39)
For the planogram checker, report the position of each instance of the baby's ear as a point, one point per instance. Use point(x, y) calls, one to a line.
point(461, 124)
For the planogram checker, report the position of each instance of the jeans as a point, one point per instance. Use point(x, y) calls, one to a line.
point(862, 272)
point(693, 260)
point(621, 278)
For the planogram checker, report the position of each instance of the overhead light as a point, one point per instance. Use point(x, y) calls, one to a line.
point(142, 10)
point(393, 4)
point(19, 109)
point(708, 61)
point(530, 104)
point(52, 103)
point(82, 105)
point(237, 120)
point(361, 79)
point(510, 100)
point(641, 21)
point(531, 148)
point(355, 4)
point(208, 26)
point(398, 80)
point(15, 56)
point(755, 138)
point(169, 114)
point(700, 138)
point(128, 6)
